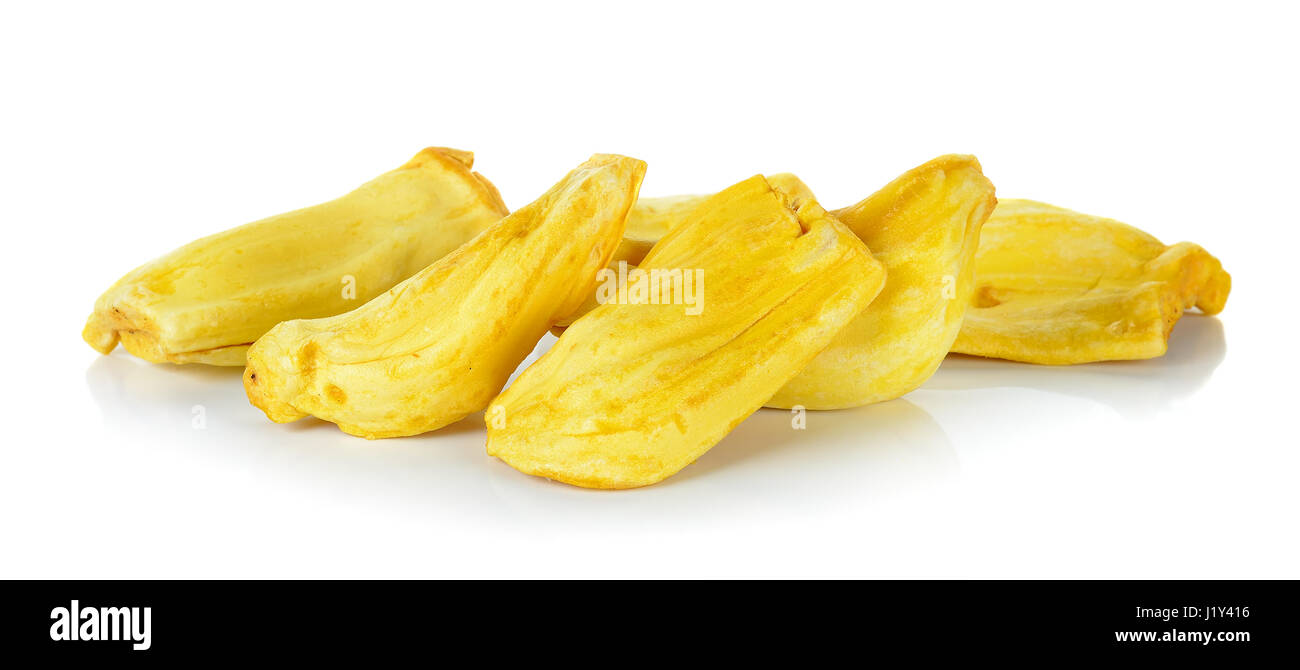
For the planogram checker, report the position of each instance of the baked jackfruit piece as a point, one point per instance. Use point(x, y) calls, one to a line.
point(207, 301)
point(441, 344)
point(653, 218)
point(924, 226)
point(1057, 287)
point(635, 390)
point(650, 220)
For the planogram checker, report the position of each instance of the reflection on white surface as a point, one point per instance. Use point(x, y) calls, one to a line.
point(131, 392)
point(768, 467)
point(154, 404)
point(871, 448)
point(866, 452)
point(987, 454)
point(869, 453)
point(1133, 388)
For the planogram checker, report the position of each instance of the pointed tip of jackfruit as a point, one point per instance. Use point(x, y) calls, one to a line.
point(428, 154)
point(962, 159)
point(266, 384)
point(101, 336)
point(635, 168)
point(1214, 295)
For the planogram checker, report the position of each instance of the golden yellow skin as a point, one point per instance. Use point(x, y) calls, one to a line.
point(441, 344)
point(632, 393)
point(924, 226)
point(652, 218)
point(1058, 287)
point(207, 301)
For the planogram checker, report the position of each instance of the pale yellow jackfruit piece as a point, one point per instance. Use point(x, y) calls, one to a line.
point(632, 393)
point(652, 218)
point(1057, 287)
point(924, 226)
point(207, 301)
point(441, 344)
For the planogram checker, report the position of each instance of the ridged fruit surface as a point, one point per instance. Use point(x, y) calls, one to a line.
point(441, 344)
point(924, 226)
point(632, 393)
point(653, 218)
point(1057, 287)
point(207, 301)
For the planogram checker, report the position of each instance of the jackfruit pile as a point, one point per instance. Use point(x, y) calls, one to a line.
point(407, 304)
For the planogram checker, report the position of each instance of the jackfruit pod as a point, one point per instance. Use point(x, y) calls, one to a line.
point(441, 344)
point(207, 301)
point(924, 227)
point(650, 220)
point(653, 218)
point(632, 393)
point(1057, 287)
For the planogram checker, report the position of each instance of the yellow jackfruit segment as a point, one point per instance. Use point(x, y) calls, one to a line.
point(924, 226)
point(1058, 287)
point(441, 344)
point(207, 301)
point(652, 218)
point(632, 393)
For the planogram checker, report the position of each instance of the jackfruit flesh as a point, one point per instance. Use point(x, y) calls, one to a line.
point(633, 392)
point(441, 344)
point(207, 301)
point(924, 226)
point(653, 218)
point(1058, 287)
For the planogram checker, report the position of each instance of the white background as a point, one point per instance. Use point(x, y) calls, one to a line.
point(129, 129)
